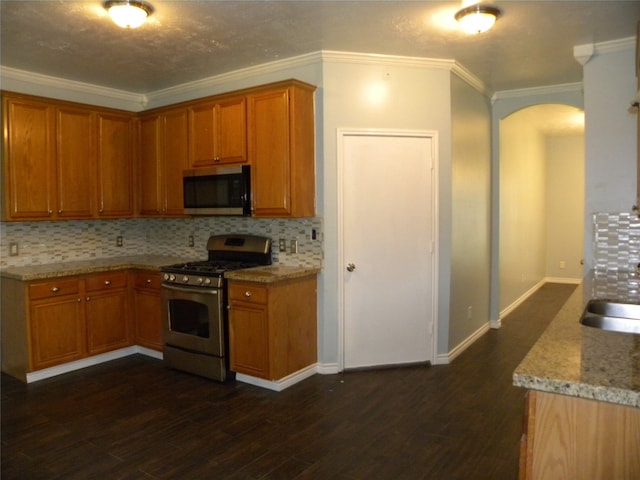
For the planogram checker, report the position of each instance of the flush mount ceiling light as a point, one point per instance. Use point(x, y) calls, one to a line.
point(478, 18)
point(128, 13)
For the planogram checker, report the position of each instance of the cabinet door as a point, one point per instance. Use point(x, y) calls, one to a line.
point(75, 164)
point(115, 165)
point(147, 309)
point(149, 173)
point(57, 331)
point(249, 329)
point(269, 153)
point(107, 312)
point(217, 133)
point(175, 154)
point(30, 159)
point(231, 134)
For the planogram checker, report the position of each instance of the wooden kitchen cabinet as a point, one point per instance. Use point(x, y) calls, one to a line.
point(163, 154)
point(281, 150)
point(56, 323)
point(29, 158)
point(272, 327)
point(64, 160)
point(569, 437)
point(218, 132)
point(115, 158)
point(75, 162)
point(107, 312)
point(146, 307)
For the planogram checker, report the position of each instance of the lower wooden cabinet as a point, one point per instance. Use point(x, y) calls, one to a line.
point(146, 305)
point(272, 327)
point(575, 438)
point(55, 321)
point(107, 312)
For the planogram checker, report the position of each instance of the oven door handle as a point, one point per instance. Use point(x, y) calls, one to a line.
point(191, 290)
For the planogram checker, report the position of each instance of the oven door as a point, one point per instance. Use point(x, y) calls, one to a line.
point(193, 319)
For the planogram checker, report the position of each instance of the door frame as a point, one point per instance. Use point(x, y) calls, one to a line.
point(435, 249)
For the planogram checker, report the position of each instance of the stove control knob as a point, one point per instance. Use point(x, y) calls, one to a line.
point(185, 279)
point(165, 277)
point(200, 280)
point(207, 281)
point(172, 278)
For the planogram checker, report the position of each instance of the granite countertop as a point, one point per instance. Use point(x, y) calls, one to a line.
point(572, 359)
point(83, 267)
point(265, 274)
point(271, 273)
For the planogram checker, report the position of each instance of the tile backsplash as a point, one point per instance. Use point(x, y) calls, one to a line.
point(59, 241)
point(616, 241)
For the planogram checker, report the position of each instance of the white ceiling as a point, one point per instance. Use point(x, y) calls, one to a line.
point(530, 46)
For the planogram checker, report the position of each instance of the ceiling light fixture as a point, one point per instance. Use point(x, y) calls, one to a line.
point(128, 13)
point(478, 18)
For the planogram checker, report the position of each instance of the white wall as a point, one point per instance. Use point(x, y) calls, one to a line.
point(522, 208)
point(610, 136)
point(471, 209)
point(565, 205)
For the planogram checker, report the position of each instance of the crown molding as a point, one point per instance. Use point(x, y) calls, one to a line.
point(22, 81)
point(546, 90)
point(402, 61)
point(613, 46)
point(210, 84)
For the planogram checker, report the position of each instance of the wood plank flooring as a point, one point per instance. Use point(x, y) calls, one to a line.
point(134, 419)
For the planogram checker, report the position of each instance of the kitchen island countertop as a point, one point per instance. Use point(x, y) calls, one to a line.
point(580, 361)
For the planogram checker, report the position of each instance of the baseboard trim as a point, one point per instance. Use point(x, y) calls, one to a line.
point(279, 385)
point(89, 362)
point(522, 298)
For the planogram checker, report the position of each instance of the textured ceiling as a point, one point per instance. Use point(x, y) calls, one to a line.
point(531, 45)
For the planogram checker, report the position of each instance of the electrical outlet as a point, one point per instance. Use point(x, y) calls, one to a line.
point(294, 246)
point(469, 312)
point(119, 241)
point(13, 249)
point(191, 241)
point(282, 245)
point(563, 264)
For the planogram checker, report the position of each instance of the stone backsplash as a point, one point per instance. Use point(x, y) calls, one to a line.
point(59, 241)
point(616, 240)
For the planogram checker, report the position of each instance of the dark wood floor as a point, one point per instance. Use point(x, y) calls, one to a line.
point(134, 419)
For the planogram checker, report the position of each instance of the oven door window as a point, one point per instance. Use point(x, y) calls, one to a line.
point(190, 318)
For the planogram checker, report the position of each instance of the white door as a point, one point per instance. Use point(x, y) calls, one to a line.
point(387, 246)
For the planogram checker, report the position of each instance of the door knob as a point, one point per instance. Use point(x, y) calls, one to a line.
point(351, 267)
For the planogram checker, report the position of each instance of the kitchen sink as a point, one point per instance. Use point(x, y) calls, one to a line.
point(612, 316)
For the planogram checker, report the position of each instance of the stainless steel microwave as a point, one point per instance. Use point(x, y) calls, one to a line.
point(218, 191)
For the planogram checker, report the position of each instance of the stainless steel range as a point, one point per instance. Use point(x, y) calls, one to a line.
point(194, 301)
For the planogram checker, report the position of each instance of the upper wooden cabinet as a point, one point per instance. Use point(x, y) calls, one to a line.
point(65, 160)
point(75, 162)
point(115, 165)
point(218, 132)
point(163, 153)
point(281, 150)
point(29, 159)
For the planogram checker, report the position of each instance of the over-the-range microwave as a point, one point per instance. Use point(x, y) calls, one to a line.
point(218, 191)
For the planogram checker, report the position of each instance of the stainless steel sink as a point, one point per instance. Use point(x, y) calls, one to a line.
point(612, 316)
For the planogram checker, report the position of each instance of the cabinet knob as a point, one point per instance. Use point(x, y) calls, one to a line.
point(88, 298)
point(148, 280)
point(107, 282)
point(50, 212)
point(60, 211)
point(55, 289)
point(247, 294)
point(79, 300)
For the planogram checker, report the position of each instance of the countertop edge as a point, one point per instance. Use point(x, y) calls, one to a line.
point(561, 361)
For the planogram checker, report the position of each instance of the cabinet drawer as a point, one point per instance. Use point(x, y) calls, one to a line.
point(247, 292)
point(146, 280)
point(106, 281)
point(54, 288)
